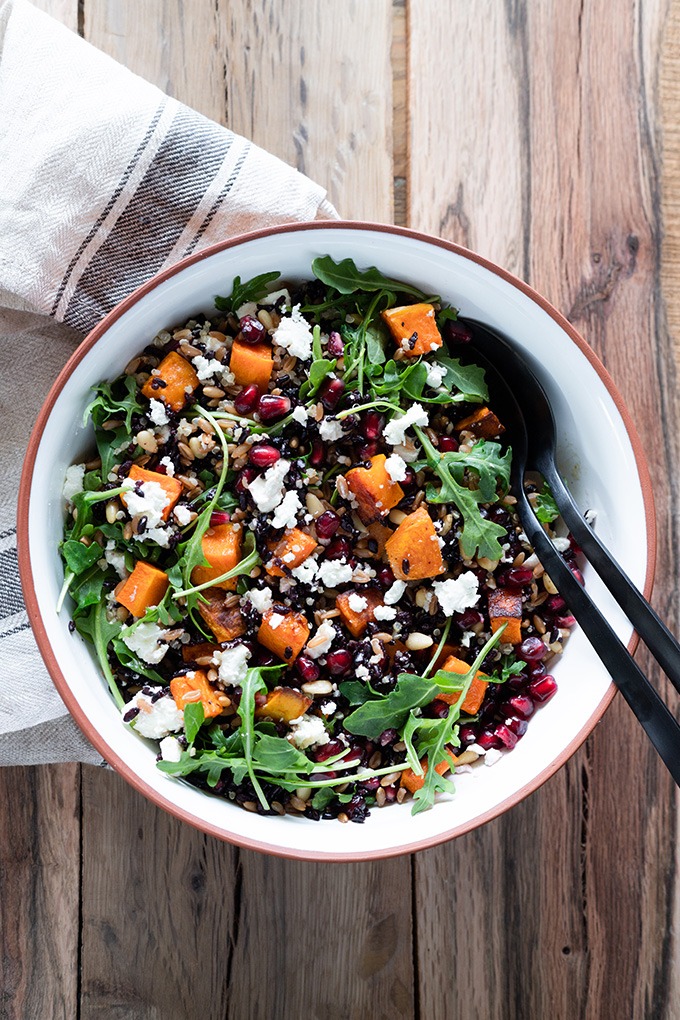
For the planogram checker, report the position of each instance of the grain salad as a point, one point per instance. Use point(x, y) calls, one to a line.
point(295, 552)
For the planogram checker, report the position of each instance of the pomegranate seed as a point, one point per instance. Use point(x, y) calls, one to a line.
point(265, 658)
point(515, 577)
point(318, 454)
point(543, 688)
point(245, 475)
point(437, 709)
point(263, 456)
point(410, 480)
point(457, 332)
point(506, 736)
point(219, 517)
point(566, 621)
point(331, 393)
point(307, 668)
point(338, 663)
point(338, 548)
point(385, 577)
point(271, 408)
point(489, 740)
point(328, 750)
point(327, 524)
point(555, 604)
point(516, 726)
point(578, 575)
point(469, 619)
point(390, 794)
point(467, 736)
point(252, 330)
point(372, 425)
point(537, 669)
point(520, 704)
point(447, 444)
point(388, 737)
point(517, 682)
point(370, 785)
point(532, 649)
point(368, 450)
point(247, 399)
point(336, 347)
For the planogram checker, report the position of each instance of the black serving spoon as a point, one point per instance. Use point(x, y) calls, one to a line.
point(519, 396)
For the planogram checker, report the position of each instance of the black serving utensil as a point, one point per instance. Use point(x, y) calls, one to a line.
point(519, 396)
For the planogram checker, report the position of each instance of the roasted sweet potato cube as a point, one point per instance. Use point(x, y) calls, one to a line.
point(145, 587)
point(192, 687)
point(413, 550)
point(373, 489)
point(284, 704)
point(203, 651)
point(225, 623)
point(505, 606)
point(355, 620)
point(251, 363)
point(174, 382)
point(413, 782)
point(171, 486)
point(482, 423)
point(290, 551)
point(475, 692)
point(414, 329)
point(378, 535)
point(222, 548)
point(284, 632)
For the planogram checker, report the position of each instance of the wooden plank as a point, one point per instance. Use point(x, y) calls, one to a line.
point(564, 906)
point(39, 872)
point(65, 11)
point(259, 917)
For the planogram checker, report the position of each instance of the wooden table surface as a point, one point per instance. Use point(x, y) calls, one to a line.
point(544, 134)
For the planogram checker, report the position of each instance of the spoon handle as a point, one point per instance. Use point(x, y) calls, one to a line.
point(653, 715)
point(654, 633)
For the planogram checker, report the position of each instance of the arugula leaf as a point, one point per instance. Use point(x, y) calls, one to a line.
point(469, 380)
point(252, 685)
point(319, 368)
point(87, 591)
point(251, 290)
point(101, 632)
point(277, 755)
point(108, 406)
point(440, 736)
point(347, 279)
point(355, 691)
point(323, 797)
point(127, 658)
point(447, 315)
point(545, 507)
point(79, 557)
point(244, 566)
point(194, 717)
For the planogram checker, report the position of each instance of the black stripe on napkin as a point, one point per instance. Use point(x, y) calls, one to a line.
point(233, 176)
point(11, 601)
point(146, 232)
point(110, 204)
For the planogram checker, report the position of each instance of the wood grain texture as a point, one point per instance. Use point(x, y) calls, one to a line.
point(39, 879)
point(555, 173)
point(65, 11)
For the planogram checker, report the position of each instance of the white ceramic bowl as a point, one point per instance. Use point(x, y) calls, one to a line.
point(601, 458)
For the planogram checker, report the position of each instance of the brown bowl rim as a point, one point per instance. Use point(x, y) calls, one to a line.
point(26, 573)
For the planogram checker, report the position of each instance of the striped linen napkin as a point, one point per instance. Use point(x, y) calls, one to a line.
point(104, 181)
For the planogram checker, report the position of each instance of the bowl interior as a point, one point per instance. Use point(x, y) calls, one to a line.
point(597, 457)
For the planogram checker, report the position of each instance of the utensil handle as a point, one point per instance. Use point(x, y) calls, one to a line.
point(655, 634)
point(653, 715)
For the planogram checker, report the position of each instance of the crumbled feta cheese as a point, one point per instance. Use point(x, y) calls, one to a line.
point(286, 513)
point(73, 482)
point(147, 640)
point(330, 429)
point(467, 637)
point(357, 603)
point(260, 599)
point(275, 620)
point(157, 412)
point(148, 499)
point(394, 593)
point(267, 489)
point(206, 368)
point(182, 515)
point(477, 748)
point(169, 467)
point(271, 299)
point(492, 756)
point(335, 572)
point(185, 428)
point(395, 430)
point(561, 544)
point(396, 467)
point(384, 612)
point(170, 748)
point(232, 665)
point(307, 571)
point(457, 594)
point(362, 672)
point(155, 719)
point(407, 451)
point(590, 516)
point(435, 375)
point(329, 707)
point(247, 308)
point(322, 640)
point(308, 731)
point(115, 559)
point(300, 414)
point(295, 335)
